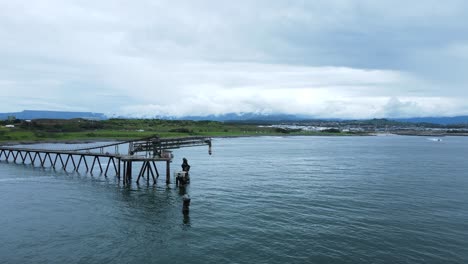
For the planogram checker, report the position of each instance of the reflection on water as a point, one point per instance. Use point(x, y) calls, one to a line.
point(186, 220)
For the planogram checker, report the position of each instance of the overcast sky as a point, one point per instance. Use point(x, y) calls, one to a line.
point(142, 58)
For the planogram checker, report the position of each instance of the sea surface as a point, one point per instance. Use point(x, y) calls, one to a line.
point(386, 199)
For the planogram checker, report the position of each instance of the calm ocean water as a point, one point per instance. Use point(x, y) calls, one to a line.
point(255, 200)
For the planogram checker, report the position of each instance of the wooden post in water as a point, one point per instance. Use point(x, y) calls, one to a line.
point(118, 173)
point(168, 172)
point(186, 204)
point(128, 173)
point(124, 174)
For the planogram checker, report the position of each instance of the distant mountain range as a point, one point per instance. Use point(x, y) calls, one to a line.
point(253, 117)
point(244, 117)
point(36, 114)
point(436, 120)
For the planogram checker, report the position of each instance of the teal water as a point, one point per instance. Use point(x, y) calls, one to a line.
point(255, 200)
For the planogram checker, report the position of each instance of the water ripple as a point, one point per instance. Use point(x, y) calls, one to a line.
point(256, 200)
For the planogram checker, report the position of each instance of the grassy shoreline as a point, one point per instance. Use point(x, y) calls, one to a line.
point(80, 130)
point(111, 139)
point(315, 134)
point(87, 131)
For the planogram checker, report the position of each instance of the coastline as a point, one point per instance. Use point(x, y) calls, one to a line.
point(95, 140)
point(57, 141)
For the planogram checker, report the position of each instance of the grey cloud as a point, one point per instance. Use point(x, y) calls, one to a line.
point(148, 54)
point(396, 108)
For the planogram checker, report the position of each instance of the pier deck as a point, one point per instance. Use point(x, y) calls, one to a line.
point(154, 150)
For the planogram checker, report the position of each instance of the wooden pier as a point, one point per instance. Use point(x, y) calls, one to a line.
point(147, 151)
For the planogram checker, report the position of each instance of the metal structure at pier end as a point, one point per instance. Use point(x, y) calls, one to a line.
point(147, 151)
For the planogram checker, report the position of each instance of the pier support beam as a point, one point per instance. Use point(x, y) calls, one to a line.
point(155, 169)
point(153, 145)
point(23, 158)
point(168, 172)
point(146, 168)
point(128, 172)
point(118, 173)
point(15, 156)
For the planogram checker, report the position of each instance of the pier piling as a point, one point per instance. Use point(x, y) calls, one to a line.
point(168, 172)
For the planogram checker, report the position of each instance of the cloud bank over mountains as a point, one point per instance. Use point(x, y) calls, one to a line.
point(328, 59)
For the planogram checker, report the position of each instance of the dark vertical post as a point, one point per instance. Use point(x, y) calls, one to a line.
point(147, 171)
point(118, 172)
point(152, 173)
point(186, 204)
point(129, 171)
point(168, 171)
point(124, 174)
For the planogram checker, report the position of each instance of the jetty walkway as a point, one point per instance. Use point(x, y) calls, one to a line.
point(147, 151)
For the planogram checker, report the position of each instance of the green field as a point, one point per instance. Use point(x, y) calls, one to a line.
point(80, 129)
